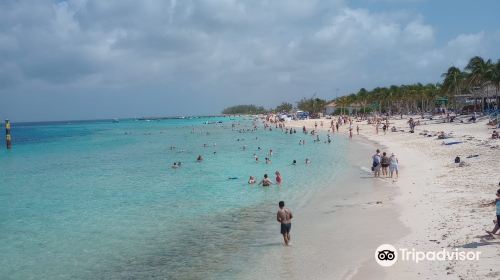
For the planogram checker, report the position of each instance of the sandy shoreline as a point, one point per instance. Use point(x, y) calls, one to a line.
point(437, 201)
point(336, 229)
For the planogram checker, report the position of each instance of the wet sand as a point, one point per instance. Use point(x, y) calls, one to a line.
point(335, 232)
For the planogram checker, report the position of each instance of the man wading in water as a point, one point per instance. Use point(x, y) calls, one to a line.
point(284, 217)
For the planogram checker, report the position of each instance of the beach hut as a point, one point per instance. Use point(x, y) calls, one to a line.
point(330, 108)
point(354, 108)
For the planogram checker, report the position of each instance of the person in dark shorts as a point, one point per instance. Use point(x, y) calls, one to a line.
point(385, 164)
point(284, 217)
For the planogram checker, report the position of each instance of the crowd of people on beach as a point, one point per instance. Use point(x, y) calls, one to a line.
point(384, 164)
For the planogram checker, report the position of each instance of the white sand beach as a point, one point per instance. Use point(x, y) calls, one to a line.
point(437, 202)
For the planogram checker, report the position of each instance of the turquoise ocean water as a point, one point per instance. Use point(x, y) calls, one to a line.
point(98, 200)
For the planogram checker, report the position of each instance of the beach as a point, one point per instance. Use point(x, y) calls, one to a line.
point(123, 212)
point(438, 202)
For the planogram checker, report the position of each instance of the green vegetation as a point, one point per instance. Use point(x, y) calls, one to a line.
point(244, 110)
point(477, 75)
point(284, 107)
point(476, 78)
point(311, 105)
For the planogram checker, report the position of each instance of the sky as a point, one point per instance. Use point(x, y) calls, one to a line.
point(94, 59)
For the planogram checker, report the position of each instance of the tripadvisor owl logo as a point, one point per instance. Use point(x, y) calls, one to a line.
point(386, 255)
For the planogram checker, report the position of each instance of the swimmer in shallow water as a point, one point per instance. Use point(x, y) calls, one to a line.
point(294, 162)
point(251, 180)
point(199, 158)
point(308, 161)
point(175, 165)
point(278, 177)
point(266, 182)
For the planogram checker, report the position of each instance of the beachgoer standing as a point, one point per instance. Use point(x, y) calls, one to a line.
point(385, 164)
point(393, 165)
point(284, 217)
point(376, 158)
point(266, 182)
point(251, 180)
point(278, 177)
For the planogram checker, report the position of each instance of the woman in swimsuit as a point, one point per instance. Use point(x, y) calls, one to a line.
point(278, 177)
point(265, 182)
point(251, 180)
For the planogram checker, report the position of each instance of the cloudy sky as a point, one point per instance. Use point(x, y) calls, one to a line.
point(87, 59)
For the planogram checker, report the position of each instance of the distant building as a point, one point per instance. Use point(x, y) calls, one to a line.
point(476, 98)
point(330, 108)
point(353, 108)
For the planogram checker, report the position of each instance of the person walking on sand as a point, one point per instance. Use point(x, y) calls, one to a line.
point(393, 165)
point(357, 129)
point(284, 217)
point(497, 203)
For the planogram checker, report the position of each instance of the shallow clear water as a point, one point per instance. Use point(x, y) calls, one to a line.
point(98, 200)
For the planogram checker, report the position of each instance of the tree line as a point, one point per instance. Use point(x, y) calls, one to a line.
point(476, 78)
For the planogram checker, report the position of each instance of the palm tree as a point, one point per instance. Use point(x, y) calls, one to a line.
point(493, 76)
point(453, 83)
point(363, 98)
point(478, 73)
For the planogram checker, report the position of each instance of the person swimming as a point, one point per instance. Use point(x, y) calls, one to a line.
point(251, 180)
point(278, 177)
point(175, 165)
point(266, 182)
point(199, 158)
point(308, 161)
point(294, 162)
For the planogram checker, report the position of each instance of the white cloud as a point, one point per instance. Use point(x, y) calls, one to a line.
point(215, 52)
